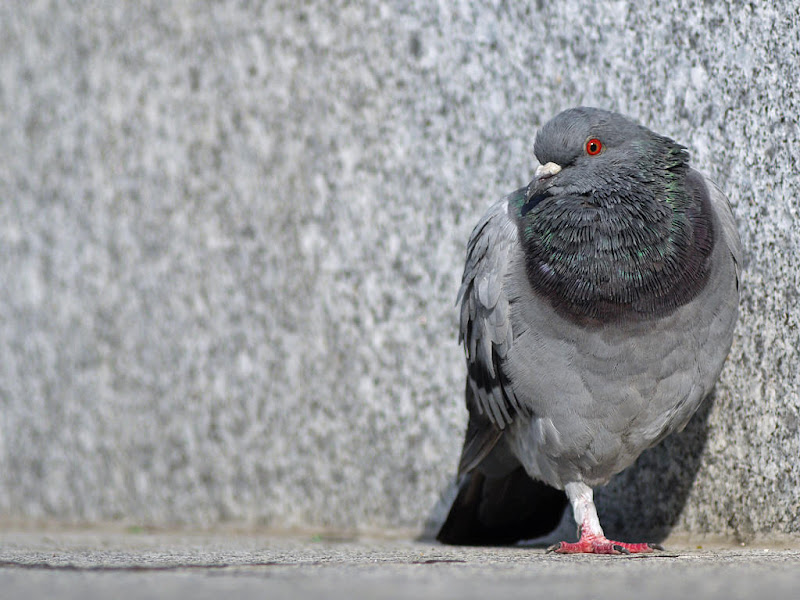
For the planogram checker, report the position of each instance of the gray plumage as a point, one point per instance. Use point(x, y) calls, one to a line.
point(597, 308)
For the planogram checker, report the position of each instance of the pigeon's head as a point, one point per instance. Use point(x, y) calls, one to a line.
point(586, 150)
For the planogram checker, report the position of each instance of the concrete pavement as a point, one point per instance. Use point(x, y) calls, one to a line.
point(131, 564)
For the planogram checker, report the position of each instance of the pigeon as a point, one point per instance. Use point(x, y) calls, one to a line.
point(597, 307)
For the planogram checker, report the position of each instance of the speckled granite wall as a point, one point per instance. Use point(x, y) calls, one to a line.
point(231, 237)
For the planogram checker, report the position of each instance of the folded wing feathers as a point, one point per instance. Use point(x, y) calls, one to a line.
point(485, 326)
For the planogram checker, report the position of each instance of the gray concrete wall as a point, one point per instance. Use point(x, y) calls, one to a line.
point(231, 237)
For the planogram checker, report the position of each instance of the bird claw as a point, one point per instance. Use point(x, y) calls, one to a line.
point(598, 545)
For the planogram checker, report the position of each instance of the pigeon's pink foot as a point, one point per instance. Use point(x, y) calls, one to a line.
point(590, 544)
point(593, 541)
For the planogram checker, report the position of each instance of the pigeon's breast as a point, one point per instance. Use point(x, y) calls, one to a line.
point(602, 392)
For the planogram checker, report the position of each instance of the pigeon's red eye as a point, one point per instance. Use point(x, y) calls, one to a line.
point(593, 146)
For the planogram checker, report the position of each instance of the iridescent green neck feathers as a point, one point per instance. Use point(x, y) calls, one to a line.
point(629, 240)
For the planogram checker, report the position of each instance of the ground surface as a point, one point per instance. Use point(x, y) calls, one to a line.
point(133, 564)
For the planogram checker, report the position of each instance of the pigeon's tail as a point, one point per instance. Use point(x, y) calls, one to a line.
point(499, 511)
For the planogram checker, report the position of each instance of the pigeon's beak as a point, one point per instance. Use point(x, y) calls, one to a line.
point(547, 170)
point(538, 190)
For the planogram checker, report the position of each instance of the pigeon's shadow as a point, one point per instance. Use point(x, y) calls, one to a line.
point(644, 502)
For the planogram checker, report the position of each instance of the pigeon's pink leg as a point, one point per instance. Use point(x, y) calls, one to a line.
point(593, 541)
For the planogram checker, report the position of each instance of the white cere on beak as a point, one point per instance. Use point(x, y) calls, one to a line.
point(547, 170)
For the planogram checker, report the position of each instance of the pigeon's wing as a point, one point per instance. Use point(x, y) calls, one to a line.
point(497, 501)
point(724, 213)
point(485, 321)
point(481, 437)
